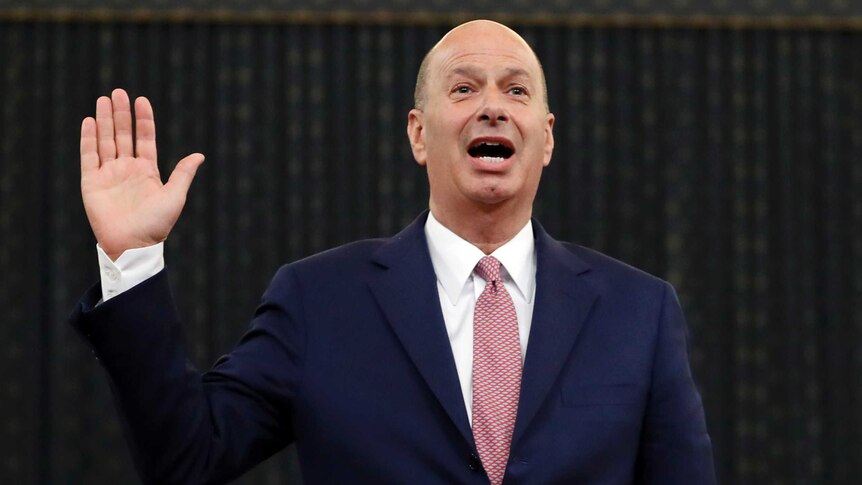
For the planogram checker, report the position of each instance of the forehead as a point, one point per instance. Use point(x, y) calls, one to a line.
point(481, 52)
point(479, 65)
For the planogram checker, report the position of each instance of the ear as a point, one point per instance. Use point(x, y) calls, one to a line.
point(416, 134)
point(549, 139)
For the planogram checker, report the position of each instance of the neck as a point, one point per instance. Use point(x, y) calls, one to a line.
point(487, 228)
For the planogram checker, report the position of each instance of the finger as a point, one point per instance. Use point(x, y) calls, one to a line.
point(183, 174)
point(145, 126)
point(122, 123)
point(89, 145)
point(105, 130)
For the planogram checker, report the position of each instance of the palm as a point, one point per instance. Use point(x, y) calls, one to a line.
point(126, 203)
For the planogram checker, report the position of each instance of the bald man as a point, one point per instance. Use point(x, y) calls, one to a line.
point(470, 348)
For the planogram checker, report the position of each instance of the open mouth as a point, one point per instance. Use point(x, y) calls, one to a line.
point(491, 151)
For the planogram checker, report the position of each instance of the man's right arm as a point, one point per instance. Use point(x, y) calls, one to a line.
point(184, 427)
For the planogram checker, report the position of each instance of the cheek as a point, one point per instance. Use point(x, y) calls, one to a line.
point(438, 137)
point(447, 125)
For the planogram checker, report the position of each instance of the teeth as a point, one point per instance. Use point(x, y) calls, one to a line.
point(492, 159)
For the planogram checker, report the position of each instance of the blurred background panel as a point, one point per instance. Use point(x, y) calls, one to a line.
point(830, 9)
point(715, 143)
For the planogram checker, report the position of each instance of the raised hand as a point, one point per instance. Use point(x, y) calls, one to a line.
point(125, 200)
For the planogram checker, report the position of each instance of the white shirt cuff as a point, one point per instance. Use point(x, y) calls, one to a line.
point(132, 267)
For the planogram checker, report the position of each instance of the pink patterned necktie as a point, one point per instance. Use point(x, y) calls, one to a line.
point(496, 371)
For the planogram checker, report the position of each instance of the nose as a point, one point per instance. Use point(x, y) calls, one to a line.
point(492, 110)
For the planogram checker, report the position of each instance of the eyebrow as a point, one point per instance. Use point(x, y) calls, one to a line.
point(517, 71)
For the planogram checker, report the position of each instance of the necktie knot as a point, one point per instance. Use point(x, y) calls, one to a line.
point(488, 268)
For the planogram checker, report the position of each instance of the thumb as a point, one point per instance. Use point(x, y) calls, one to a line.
point(183, 174)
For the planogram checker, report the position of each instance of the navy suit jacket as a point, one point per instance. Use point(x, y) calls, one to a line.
point(348, 356)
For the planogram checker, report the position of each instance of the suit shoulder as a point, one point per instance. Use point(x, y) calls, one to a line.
point(607, 268)
point(621, 284)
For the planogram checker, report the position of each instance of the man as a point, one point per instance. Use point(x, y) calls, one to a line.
point(469, 348)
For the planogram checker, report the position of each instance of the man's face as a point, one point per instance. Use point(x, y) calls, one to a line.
point(483, 131)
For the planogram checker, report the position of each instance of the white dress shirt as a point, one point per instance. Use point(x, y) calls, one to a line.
point(458, 287)
point(454, 260)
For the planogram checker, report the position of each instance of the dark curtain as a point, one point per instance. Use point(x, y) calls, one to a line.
point(728, 161)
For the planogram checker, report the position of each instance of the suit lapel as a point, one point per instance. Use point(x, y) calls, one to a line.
point(406, 289)
point(563, 302)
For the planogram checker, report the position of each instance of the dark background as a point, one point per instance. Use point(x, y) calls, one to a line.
point(717, 144)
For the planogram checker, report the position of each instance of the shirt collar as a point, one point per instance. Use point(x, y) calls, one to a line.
point(454, 258)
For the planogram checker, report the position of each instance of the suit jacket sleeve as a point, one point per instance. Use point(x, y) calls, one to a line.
point(184, 427)
point(675, 445)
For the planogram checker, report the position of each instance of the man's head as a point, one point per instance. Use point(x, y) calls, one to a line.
point(421, 77)
point(481, 124)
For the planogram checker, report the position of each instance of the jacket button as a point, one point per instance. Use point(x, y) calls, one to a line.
point(475, 464)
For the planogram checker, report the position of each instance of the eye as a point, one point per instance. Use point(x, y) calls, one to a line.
point(462, 89)
point(518, 91)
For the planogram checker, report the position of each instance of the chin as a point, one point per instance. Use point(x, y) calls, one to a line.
point(491, 195)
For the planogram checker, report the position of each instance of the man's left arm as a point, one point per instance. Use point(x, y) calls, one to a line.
point(675, 446)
